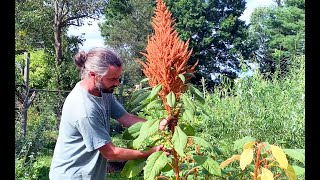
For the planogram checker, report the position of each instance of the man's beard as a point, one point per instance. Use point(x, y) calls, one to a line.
point(102, 89)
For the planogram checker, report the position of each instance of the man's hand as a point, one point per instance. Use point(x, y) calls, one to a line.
point(170, 120)
point(160, 148)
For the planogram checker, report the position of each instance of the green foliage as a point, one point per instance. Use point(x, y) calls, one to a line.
point(217, 35)
point(261, 108)
point(126, 26)
point(33, 25)
point(280, 33)
point(41, 168)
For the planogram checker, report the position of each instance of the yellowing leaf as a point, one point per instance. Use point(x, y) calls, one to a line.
point(229, 160)
point(280, 156)
point(266, 174)
point(246, 158)
point(249, 144)
point(252, 175)
point(290, 173)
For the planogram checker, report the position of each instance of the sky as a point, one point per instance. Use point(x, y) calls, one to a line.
point(91, 33)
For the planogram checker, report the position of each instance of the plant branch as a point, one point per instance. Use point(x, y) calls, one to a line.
point(190, 171)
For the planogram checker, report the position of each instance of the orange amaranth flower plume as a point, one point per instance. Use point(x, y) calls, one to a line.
point(166, 56)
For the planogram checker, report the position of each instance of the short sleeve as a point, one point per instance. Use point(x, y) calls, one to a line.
point(117, 109)
point(93, 132)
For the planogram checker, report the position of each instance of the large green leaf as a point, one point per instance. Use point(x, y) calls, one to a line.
point(187, 103)
point(209, 164)
point(148, 129)
point(200, 141)
point(171, 99)
point(179, 141)
point(295, 154)
point(188, 114)
point(133, 168)
point(155, 162)
point(154, 93)
point(188, 129)
point(183, 79)
point(138, 108)
point(197, 93)
point(298, 170)
point(141, 97)
point(132, 132)
point(137, 93)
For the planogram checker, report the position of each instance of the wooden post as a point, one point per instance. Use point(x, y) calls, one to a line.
point(25, 102)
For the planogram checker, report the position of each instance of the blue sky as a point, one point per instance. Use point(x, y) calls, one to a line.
point(93, 38)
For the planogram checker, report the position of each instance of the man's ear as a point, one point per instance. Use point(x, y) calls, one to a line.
point(92, 74)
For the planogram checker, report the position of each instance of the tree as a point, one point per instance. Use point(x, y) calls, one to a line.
point(280, 33)
point(33, 25)
point(126, 26)
point(218, 36)
point(68, 13)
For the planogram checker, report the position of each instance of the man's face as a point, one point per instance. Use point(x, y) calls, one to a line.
point(109, 81)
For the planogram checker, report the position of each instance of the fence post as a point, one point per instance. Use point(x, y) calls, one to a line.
point(25, 102)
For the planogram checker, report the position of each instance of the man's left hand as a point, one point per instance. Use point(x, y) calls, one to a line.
point(168, 120)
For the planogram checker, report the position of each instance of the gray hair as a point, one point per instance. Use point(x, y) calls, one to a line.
point(96, 60)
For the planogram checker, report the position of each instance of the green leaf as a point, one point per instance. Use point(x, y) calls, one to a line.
point(188, 114)
point(148, 129)
point(295, 154)
point(138, 108)
point(140, 98)
point(154, 93)
point(133, 168)
point(171, 99)
point(166, 168)
point(132, 132)
point(183, 79)
point(135, 94)
point(155, 162)
point(209, 164)
point(188, 129)
point(179, 141)
point(189, 74)
point(200, 141)
point(187, 103)
point(298, 170)
point(197, 94)
point(144, 80)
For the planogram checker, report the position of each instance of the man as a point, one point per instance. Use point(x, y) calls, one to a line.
point(84, 144)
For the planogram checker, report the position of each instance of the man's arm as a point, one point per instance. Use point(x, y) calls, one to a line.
point(111, 152)
point(129, 119)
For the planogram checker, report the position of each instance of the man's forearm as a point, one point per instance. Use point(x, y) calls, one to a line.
point(129, 119)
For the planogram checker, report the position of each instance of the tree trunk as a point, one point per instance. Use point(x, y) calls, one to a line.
point(57, 34)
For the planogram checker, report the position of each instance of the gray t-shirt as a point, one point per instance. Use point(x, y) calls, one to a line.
point(84, 127)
